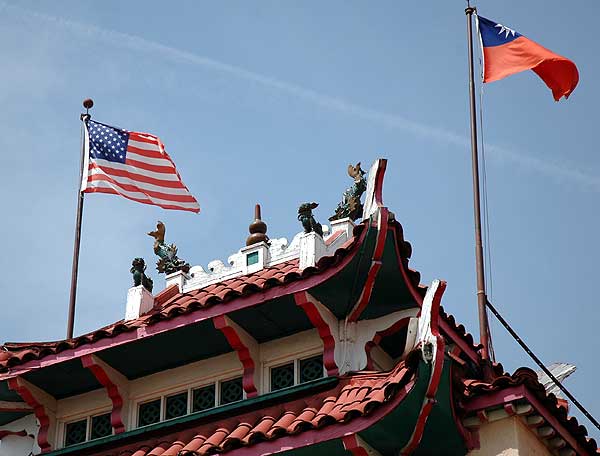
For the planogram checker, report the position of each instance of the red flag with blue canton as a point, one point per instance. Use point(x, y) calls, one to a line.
point(134, 165)
point(507, 52)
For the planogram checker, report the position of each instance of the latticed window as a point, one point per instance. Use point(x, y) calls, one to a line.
point(75, 432)
point(232, 391)
point(149, 413)
point(176, 405)
point(100, 426)
point(311, 368)
point(203, 398)
point(282, 376)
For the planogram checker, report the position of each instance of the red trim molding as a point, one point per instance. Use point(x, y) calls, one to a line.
point(436, 374)
point(316, 316)
point(240, 341)
point(397, 326)
point(12, 407)
point(367, 291)
point(357, 446)
point(22, 433)
point(116, 419)
point(22, 388)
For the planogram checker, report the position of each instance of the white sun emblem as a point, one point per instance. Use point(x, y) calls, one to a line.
point(507, 31)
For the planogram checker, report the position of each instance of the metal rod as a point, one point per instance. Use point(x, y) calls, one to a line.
point(88, 103)
point(481, 297)
point(541, 365)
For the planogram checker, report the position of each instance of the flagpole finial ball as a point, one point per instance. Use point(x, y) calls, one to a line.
point(88, 103)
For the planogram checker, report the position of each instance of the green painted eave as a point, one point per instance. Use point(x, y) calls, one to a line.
point(235, 408)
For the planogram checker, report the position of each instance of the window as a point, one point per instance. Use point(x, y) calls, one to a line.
point(251, 258)
point(149, 413)
point(75, 432)
point(231, 391)
point(100, 426)
point(176, 405)
point(311, 368)
point(282, 376)
point(296, 372)
point(202, 398)
point(87, 428)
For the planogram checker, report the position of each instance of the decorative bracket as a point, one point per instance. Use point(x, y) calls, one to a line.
point(358, 447)
point(246, 348)
point(115, 384)
point(326, 324)
point(43, 405)
point(345, 343)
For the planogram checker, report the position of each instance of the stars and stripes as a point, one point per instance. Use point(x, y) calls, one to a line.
point(134, 165)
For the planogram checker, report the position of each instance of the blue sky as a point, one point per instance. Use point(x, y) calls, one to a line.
point(268, 102)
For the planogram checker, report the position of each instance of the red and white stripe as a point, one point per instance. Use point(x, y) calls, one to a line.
point(148, 175)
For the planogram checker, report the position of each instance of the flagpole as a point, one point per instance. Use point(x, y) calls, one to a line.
point(87, 104)
point(484, 334)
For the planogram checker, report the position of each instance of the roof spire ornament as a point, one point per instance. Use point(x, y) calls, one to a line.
point(350, 206)
point(306, 217)
point(258, 229)
point(138, 268)
point(168, 262)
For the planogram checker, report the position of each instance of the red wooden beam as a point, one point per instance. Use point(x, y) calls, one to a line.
point(244, 345)
point(101, 373)
point(3, 433)
point(357, 446)
point(23, 389)
point(322, 320)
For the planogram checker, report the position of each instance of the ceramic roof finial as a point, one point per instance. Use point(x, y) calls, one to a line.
point(258, 229)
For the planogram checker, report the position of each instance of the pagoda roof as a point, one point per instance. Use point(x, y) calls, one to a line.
point(176, 309)
point(353, 396)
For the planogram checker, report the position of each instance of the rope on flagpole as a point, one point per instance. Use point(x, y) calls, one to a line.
point(541, 365)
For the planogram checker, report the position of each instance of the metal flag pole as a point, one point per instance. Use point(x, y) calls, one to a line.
point(484, 334)
point(87, 104)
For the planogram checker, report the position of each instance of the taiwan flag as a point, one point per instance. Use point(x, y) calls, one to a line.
point(507, 52)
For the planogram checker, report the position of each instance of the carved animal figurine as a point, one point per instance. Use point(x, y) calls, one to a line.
point(168, 262)
point(138, 268)
point(305, 216)
point(350, 206)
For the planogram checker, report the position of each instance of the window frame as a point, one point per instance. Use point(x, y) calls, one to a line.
point(268, 366)
point(88, 428)
point(189, 389)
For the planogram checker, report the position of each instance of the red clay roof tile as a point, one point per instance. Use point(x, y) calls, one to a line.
point(318, 410)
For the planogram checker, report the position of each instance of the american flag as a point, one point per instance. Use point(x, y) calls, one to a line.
point(134, 165)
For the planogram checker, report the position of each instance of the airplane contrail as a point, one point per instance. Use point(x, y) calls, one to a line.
point(556, 170)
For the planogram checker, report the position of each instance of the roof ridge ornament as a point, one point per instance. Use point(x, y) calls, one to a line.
point(258, 229)
point(306, 217)
point(168, 262)
point(350, 206)
point(138, 270)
